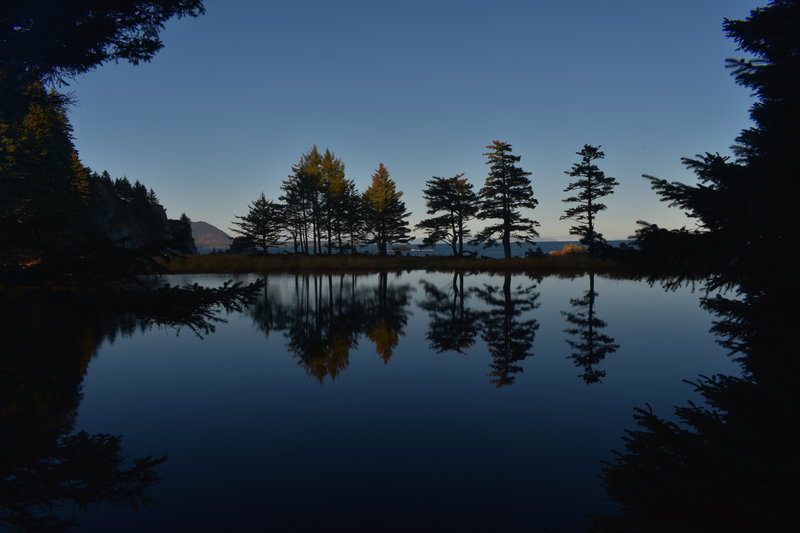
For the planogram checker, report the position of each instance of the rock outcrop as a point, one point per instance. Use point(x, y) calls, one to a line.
point(136, 223)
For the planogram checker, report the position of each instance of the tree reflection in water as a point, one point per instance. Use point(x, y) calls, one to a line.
point(452, 326)
point(507, 335)
point(45, 466)
point(591, 345)
point(326, 314)
point(728, 462)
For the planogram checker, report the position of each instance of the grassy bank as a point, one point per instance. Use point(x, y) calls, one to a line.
point(571, 264)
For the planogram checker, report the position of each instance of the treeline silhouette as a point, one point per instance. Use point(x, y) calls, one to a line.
point(50, 207)
point(321, 211)
point(58, 217)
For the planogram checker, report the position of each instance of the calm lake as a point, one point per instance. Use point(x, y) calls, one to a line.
point(414, 401)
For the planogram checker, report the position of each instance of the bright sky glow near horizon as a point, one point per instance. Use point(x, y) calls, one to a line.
point(237, 95)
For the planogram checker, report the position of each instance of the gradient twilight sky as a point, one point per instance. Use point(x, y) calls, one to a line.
point(236, 96)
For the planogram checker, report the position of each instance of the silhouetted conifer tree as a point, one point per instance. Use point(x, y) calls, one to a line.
point(304, 194)
point(506, 191)
point(353, 216)
point(726, 462)
point(335, 190)
point(262, 224)
point(385, 213)
point(51, 39)
point(592, 185)
point(454, 203)
point(48, 41)
point(746, 207)
point(43, 204)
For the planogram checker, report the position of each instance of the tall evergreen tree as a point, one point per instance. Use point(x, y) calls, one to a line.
point(45, 217)
point(592, 185)
point(723, 463)
point(294, 211)
point(43, 204)
point(262, 224)
point(182, 236)
point(746, 208)
point(304, 194)
point(335, 189)
point(506, 191)
point(454, 203)
point(353, 216)
point(385, 212)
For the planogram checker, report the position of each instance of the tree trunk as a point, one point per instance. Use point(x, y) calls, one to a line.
point(461, 238)
point(591, 227)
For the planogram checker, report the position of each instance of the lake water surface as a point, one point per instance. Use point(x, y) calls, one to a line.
point(414, 401)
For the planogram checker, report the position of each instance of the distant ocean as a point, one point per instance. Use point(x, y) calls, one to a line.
point(517, 250)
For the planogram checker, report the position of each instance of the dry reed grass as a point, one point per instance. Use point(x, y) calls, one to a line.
point(569, 264)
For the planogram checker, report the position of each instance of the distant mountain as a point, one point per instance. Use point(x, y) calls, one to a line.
point(209, 237)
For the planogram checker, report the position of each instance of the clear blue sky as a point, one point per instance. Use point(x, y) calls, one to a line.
point(235, 97)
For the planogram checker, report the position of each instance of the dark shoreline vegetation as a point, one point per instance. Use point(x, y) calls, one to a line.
point(74, 245)
point(572, 264)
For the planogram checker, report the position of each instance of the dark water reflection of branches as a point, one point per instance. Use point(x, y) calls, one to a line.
point(48, 341)
point(589, 344)
point(507, 332)
point(454, 323)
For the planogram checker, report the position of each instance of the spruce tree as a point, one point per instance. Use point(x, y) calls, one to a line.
point(506, 191)
point(746, 208)
point(592, 185)
point(454, 203)
point(723, 463)
point(43, 203)
point(262, 224)
point(353, 215)
point(385, 213)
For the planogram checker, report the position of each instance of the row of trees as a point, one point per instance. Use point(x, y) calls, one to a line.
point(321, 211)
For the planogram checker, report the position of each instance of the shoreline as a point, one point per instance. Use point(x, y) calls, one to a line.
point(241, 264)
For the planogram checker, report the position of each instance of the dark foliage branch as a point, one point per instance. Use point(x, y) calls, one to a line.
point(56, 39)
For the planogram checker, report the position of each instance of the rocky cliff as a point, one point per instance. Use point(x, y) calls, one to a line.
point(137, 222)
